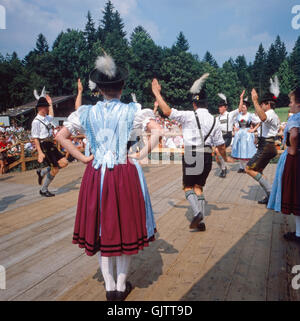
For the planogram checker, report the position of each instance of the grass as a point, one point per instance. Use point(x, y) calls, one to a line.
point(282, 113)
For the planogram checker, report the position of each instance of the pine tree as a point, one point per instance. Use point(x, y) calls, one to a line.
point(259, 77)
point(41, 44)
point(271, 62)
point(295, 60)
point(287, 80)
point(118, 25)
point(280, 51)
point(90, 31)
point(108, 20)
point(242, 70)
point(208, 57)
point(181, 43)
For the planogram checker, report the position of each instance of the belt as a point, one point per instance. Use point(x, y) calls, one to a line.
point(199, 149)
point(48, 139)
point(268, 140)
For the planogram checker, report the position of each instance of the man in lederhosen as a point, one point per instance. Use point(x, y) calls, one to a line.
point(226, 121)
point(270, 124)
point(200, 133)
point(42, 133)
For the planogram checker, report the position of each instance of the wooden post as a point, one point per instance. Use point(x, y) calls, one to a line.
point(22, 158)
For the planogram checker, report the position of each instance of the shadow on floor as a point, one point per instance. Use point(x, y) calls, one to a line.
point(69, 187)
point(8, 200)
point(2, 179)
point(142, 262)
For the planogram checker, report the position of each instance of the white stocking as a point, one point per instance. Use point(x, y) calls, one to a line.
point(123, 263)
point(297, 219)
point(107, 269)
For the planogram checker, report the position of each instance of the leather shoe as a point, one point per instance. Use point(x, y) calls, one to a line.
point(241, 170)
point(121, 296)
point(196, 220)
point(46, 194)
point(264, 201)
point(40, 177)
point(111, 295)
point(291, 236)
point(201, 227)
point(223, 173)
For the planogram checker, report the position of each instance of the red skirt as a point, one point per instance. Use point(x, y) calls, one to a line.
point(290, 201)
point(122, 215)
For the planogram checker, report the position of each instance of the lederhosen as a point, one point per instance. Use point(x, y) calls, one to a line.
point(227, 136)
point(266, 150)
point(52, 154)
point(197, 156)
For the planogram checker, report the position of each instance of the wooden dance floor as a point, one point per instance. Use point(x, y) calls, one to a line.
point(241, 256)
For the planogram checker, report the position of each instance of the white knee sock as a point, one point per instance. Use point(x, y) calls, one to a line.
point(123, 263)
point(107, 269)
point(222, 162)
point(241, 165)
point(297, 219)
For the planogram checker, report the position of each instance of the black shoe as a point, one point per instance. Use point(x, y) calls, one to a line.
point(291, 236)
point(201, 227)
point(121, 296)
point(196, 220)
point(223, 173)
point(111, 295)
point(40, 177)
point(264, 201)
point(241, 170)
point(46, 194)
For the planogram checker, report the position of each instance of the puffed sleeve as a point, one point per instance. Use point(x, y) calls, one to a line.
point(293, 122)
point(73, 123)
point(178, 115)
point(142, 118)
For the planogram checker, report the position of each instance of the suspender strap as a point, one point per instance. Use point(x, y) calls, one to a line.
point(199, 127)
point(227, 122)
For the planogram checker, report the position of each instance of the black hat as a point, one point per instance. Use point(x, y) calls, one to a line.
point(273, 93)
point(201, 97)
point(268, 97)
point(42, 102)
point(106, 73)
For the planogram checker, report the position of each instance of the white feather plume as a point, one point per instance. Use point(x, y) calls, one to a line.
point(222, 96)
point(106, 65)
point(275, 87)
point(37, 96)
point(92, 85)
point(134, 98)
point(246, 99)
point(198, 84)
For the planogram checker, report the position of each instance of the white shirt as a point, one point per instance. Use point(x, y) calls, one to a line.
point(190, 130)
point(39, 130)
point(227, 119)
point(270, 127)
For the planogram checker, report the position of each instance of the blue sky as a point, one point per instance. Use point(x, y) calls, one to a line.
point(227, 28)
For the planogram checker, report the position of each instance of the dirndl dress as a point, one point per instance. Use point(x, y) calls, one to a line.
point(285, 194)
point(114, 212)
point(243, 146)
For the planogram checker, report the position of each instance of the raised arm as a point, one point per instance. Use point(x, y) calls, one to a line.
point(51, 111)
point(156, 89)
point(260, 112)
point(241, 101)
point(78, 101)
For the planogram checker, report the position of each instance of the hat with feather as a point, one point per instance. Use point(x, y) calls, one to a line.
point(273, 93)
point(198, 89)
point(41, 99)
point(246, 102)
point(222, 100)
point(106, 73)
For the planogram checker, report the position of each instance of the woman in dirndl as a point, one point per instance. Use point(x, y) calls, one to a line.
point(243, 147)
point(285, 195)
point(114, 214)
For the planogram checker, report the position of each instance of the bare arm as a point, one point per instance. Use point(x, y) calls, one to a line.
point(156, 131)
point(51, 111)
point(292, 150)
point(41, 155)
point(156, 88)
point(241, 101)
point(62, 138)
point(260, 112)
point(78, 101)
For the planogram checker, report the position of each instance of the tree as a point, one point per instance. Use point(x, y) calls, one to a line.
point(272, 65)
point(41, 44)
point(295, 60)
point(181, 42)
point(259, 77)
point(210, 59)
point(118, 25)
point(108, 20)
point(280, 51)
point(287, 80)
point(242, 70)
point(90, 31)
